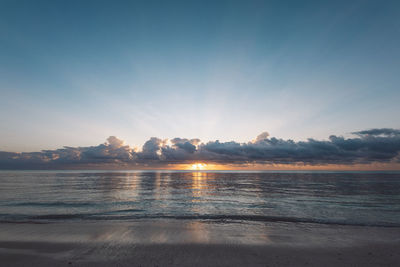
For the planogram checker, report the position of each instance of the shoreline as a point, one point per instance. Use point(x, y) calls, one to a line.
point(196, 243)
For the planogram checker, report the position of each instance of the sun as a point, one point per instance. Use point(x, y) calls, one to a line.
point(198, 166)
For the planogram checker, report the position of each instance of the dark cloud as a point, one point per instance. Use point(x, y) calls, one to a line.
point(369, 146)
point(113, 151)
point(379, 132)
point(152, 149)
point(185, 144)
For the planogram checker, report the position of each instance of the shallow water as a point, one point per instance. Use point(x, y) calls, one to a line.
point(347, 198)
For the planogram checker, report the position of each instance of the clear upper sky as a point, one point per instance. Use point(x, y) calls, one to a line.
point(75, 72)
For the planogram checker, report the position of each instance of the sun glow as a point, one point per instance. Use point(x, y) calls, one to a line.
point(198, 166)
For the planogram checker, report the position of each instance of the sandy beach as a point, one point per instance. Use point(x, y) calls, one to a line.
point(177, 243)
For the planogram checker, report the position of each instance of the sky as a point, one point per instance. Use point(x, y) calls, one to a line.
point(73, 73)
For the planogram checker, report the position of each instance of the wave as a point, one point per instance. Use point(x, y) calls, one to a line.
point(207, 217)
point(66, 204)
point(50, 204)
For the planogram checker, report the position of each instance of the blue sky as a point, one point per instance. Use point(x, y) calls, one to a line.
point(75, 72)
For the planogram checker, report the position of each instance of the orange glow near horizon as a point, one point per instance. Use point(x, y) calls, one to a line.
point(198, 166)
point(201, 166)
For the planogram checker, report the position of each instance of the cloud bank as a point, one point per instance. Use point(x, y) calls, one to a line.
point(366, 147)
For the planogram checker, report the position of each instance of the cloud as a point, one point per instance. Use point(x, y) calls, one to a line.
point(113, 151)
point(115, 142)
point(368, 146)
point(261, 137)
point(379, 132)
point(187, 145)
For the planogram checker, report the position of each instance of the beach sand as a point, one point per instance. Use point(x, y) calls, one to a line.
point(195, 243)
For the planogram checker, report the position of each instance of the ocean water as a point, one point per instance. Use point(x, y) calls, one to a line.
point(343, 198)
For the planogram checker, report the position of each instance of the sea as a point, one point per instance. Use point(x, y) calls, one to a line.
point(331, 198)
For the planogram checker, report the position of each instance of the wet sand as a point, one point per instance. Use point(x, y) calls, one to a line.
point(181, 243)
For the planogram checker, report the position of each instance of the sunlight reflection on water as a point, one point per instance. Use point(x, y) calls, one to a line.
point(332, 198)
